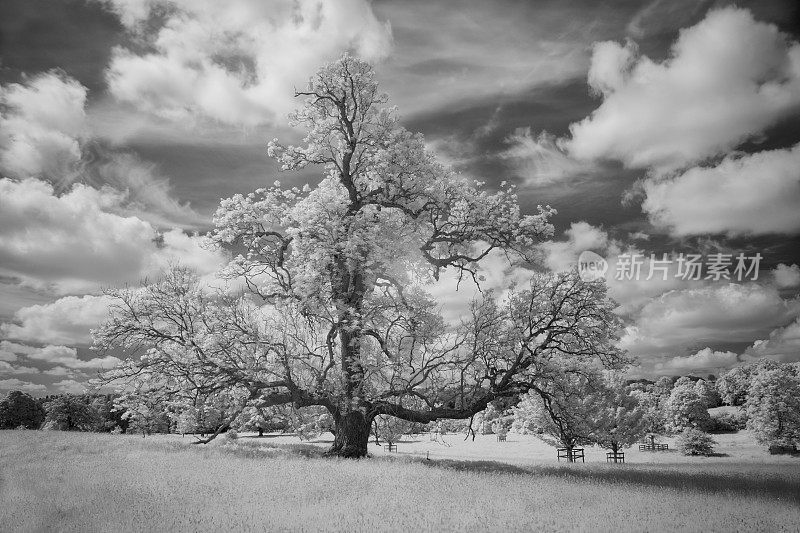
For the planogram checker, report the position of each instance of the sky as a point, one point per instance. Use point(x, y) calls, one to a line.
point(659, 130)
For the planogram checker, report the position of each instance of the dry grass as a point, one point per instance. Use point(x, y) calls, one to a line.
point(89, 482)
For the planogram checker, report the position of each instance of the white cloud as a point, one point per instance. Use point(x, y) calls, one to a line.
point(705, 359)
point(10, 350)
point(630, 294)
point(68, 357)
point(727, 79)
point(76, 242)
point(17, 384)
point(8, 368)
point(783, 344)
point(752, 194)
point(41, 124)
point(236, 61)
point(64, 321)
point(786, 276)
point(44, 133)
point(581, 236)
point(61, 371)
point(679, 320)
point(70, 386)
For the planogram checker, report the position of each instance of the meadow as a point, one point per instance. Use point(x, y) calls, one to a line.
point(59, 481)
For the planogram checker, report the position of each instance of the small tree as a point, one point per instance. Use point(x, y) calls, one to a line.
point(70, 413)
point(619, 420)
point(695, 442)
point(19, 409)
point(186, 421)
point(773, 408)
point(487, 421)
point(390, 429)
point(144, 415)
point(686, 409)
point(562, 414)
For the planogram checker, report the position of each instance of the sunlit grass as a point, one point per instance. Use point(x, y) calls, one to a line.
point(90, 482)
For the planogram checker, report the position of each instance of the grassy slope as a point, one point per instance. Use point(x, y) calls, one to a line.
point(88, 482)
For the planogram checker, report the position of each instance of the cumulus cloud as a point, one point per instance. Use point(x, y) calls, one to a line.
point(68, 357)
point(630, 294)
point(61, 371)
point(10, 350)
point(581, 236)
point(237, 61)
point(705, 359)
point(786, 276)
point(64, 321)
point(70, 386)
point(75, 242)
point(679, 320)
point(748, 195)
point(783, 344)
point(42, 121)
point(18, 384)
point(44, 133)
point(727, 79)
point(9, 369)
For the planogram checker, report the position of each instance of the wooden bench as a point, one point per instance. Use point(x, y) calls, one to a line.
point(390, 447)
point(501, 438)
point(653, 447)
point(577, 453)
point(612, 457)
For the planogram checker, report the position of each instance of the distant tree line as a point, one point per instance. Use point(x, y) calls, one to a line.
point(580, 407)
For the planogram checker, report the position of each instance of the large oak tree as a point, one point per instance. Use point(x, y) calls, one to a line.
point(336, 311)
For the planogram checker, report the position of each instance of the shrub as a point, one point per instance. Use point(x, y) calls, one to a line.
point(695, 442)
point(231, 434)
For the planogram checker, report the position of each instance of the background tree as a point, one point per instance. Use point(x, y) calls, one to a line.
point(562, 415)
point(144, 414)
point(110, 416)
point(773, 407)
point(734, 385)
point(338, 314)
point(186, 421)
point(19, 409)
point(686, 409)
point(619, 421)
point(708, 393)
point(71, 413)
point(391, 429)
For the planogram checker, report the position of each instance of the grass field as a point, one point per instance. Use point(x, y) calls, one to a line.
point(90, 482)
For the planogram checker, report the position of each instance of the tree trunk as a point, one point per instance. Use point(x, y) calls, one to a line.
point(352, 435)
point(260, 432)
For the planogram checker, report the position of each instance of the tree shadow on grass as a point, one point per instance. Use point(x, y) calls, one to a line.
point(746, 484)
point(681, 478)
